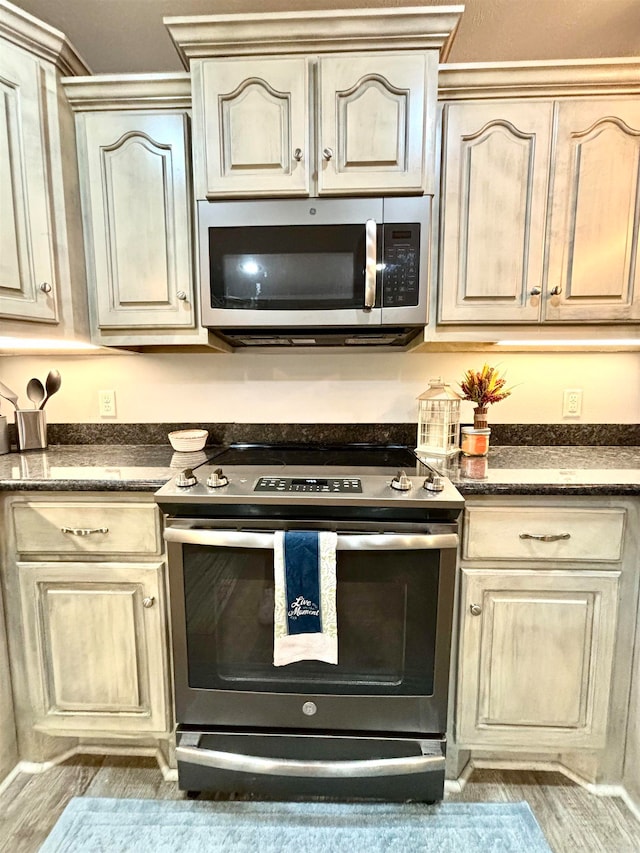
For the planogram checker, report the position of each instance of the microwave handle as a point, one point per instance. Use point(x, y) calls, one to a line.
point(371, 257)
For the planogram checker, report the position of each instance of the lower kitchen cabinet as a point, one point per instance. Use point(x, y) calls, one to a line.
point(8, 746)
point(87, 624)
point(547, 608)
point(94, 647)
point(536, 660)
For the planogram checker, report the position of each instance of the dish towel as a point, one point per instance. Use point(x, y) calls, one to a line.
point(305, 624)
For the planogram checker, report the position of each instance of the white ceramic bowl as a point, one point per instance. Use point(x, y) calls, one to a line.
point(188, 440)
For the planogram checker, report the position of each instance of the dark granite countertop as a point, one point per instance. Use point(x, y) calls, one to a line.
point(506, 470)
point(549, 470)
point(88, 467)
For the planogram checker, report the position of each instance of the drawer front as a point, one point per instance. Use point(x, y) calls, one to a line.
point(548, 533)
point(79, 527)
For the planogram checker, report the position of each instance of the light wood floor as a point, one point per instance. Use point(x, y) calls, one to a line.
point(573, 820)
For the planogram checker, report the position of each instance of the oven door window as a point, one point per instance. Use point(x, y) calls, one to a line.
point(293, 267)
point(387, 606)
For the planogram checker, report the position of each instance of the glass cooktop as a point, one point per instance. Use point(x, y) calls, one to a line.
point(316, 455)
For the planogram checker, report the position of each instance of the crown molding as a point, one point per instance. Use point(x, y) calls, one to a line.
point(129, 92)
point(614, 76)
point(336, 30)
point(25, 31)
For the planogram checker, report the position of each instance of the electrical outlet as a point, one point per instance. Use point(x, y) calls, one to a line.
point(572, 403)
point(107, 402)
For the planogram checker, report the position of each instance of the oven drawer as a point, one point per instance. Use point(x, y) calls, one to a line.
point(302, 765)
point(543, 533)
point(86, 527)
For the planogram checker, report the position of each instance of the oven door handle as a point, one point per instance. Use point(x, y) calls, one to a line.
point(240, 763)
point(346, 542)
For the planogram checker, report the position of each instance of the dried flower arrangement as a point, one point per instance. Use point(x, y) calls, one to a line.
point(483, 388)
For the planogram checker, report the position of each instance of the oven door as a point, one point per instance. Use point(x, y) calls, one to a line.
point(394, 602)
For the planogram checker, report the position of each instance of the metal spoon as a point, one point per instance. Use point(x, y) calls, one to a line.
point(8, 394)
point(35, 392)
point(51, 385)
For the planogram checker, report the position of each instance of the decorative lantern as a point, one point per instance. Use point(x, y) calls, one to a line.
point(438, 420)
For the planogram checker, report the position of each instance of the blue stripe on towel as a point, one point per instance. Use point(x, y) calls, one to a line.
point(302, 581)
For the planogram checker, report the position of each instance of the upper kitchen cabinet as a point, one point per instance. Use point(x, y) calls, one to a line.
point(42, 286)
point(133, 143)
point(314, 103)
point(539, 214)
point(252, 127)
point(593, 267)
point(493, 208)
point(260, 138)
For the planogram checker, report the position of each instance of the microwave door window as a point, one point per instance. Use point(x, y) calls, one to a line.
point(288, 267)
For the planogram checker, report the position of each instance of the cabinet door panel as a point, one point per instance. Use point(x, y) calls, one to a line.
point(496, 162)
point(26, 246)
point(513, 621)
point(372, 123)
point(256, 127)
point(593, 246)
point(138, 220)
point(102, 619)
point(535, 662)
point(95, 654)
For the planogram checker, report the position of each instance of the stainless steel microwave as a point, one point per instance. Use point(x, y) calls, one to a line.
point(315, 271)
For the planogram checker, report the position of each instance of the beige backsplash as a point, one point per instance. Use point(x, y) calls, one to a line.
point(324, 387)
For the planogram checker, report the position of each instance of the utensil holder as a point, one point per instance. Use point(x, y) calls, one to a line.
point(4, 435)
point(31, 428)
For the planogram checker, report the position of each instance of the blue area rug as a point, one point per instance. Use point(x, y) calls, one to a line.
point(88, 825)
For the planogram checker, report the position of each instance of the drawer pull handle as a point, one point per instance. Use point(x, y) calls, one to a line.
point(83, 531)
point(546, 537)
point(149, 601)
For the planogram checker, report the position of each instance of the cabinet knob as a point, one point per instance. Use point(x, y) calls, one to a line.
point(45, 287)
point(555, 291)
point(182, 296)
point(297, 154)
point(535, 291)
point(327, 153)
point(475, 609)
point(149, 601)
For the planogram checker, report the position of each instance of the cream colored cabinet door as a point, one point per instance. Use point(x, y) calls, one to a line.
point(251, 127)
point(494, 202)
point(137, 215)
point(536, 657)
point(372, 118)
point(95, 640)
point(27, 279)
point(594, 262)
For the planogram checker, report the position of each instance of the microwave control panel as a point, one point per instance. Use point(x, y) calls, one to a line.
point(401, 264)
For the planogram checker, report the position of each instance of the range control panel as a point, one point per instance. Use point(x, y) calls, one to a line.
point(308, 484)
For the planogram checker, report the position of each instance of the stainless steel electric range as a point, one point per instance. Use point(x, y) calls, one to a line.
point(374, 724)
